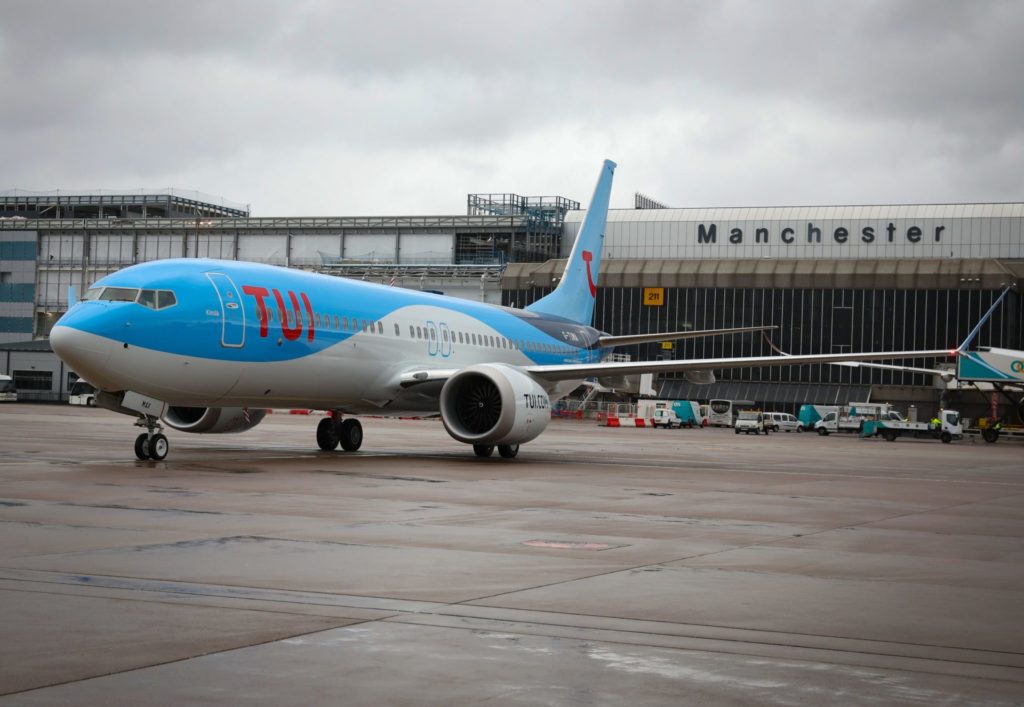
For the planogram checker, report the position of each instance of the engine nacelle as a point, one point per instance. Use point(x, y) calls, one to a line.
point(492, 403)
point(700, 377)
point(213, 420)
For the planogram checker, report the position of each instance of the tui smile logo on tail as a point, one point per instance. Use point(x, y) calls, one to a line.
point(587, 258)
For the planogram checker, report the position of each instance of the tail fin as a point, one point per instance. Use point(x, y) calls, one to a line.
point(574, 296)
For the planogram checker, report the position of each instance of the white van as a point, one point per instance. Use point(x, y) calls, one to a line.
point(8, 393)
point(82, 393)
point(782, 421)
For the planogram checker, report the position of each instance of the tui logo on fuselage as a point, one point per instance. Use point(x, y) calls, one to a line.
point(291, 326)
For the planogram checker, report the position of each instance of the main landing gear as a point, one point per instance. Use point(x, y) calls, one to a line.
point(151, 444)
point(333, 431)
point(507, 451)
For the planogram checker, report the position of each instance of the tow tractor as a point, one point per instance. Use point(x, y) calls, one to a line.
point(947, 430)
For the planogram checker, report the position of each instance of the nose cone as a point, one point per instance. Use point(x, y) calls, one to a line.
point(86, 354)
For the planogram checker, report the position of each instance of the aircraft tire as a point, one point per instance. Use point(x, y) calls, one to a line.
point(327, 435)
point(142, 446)
point(350, 434)
point(158, 447)
point(508, 451)
point(483, 450)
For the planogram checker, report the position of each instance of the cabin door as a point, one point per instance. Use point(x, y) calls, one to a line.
point(232, 314)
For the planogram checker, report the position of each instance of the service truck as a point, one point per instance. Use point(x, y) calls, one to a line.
point(810, 414)
point(670, 413)
point(849, 418)
point(750, 422)
point(947, 429)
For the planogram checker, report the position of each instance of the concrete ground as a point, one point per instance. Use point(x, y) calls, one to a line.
point(603, 566)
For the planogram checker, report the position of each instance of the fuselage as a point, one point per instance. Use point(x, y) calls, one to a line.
point(218, 333)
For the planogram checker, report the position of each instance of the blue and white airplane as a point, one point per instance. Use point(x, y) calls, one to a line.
point(207, 346)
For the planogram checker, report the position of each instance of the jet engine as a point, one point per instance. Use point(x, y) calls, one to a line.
point(700, 377)
point(492, 403)
point(213, 420)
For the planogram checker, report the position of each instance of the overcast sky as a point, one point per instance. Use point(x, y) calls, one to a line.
point(312, 107)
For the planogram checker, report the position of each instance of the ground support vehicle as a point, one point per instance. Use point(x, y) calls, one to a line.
point(850, 418)
point(750, 421)
point(8, 393)
point(810, 414)
point(993, 433)
point(686, 412)
point(947, 430)
point(82, 393)
point(782, 422)
point(663, 417)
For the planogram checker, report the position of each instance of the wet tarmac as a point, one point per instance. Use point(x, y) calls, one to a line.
point(601, 567)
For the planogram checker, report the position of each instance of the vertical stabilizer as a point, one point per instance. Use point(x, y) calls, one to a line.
point(574, 296)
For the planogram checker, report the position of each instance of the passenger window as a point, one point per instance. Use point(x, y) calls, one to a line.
point(398, 331)
point(380, 328)
point(147, 298)
point(412, 332)
point(433, 334)
point(419, 332)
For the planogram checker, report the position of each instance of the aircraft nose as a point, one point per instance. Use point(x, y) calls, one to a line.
point(86, 354)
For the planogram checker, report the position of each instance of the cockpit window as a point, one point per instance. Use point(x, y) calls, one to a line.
point(165, 298)
point(119, 294)
point(92, 293)
point(147, 298)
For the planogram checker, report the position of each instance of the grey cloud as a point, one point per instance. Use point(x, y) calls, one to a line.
point(108, 91)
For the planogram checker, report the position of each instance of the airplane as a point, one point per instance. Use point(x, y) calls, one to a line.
point(207, 346)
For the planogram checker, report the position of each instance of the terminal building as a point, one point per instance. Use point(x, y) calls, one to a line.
point(830, 278)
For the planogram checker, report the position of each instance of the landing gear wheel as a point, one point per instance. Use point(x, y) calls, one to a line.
point(483, 450)
point(327, 435)
point(158, 447)
point(508, 451)
point(350, 434)
point(946, 437)
point(142, 446)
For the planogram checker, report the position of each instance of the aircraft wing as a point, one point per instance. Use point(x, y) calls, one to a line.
point(629, 339)
point(583, 370)
point(946, 375)
point(573, 371)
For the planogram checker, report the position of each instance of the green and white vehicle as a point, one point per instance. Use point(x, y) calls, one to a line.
point(948, 429)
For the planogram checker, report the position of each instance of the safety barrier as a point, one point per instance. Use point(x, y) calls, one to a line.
point(612, 421)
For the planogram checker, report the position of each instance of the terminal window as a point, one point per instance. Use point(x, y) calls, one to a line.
point(33, 380)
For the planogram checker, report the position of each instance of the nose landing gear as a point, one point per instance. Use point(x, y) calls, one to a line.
point(152, 444)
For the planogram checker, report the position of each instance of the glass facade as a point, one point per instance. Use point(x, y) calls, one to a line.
point(808, 321)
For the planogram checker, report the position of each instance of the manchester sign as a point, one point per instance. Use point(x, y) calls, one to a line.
point(708, 234)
